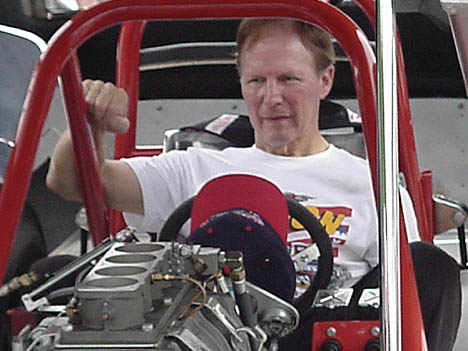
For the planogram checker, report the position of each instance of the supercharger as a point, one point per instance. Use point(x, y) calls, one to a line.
point(162, 296)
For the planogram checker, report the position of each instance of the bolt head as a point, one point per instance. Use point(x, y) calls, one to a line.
point(375, 331)
point(185, 251)
point(331, 331)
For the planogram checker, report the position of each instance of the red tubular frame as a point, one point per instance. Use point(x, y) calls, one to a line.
point(87, 165)
point(127, 77)
point(63, 45)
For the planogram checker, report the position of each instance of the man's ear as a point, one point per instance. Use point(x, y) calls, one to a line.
point(326, 80)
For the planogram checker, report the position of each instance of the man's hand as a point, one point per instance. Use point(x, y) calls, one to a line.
point(107, 106)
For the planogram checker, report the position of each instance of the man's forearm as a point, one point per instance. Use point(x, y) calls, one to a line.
point(62, 177)
point(107, 107)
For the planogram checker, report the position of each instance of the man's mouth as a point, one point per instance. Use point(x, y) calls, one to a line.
point(277, 118)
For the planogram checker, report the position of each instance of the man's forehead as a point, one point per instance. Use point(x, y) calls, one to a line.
point(273, 29)
point(271, 47)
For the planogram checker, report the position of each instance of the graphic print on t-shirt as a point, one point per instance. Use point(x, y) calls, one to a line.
point(335, 221)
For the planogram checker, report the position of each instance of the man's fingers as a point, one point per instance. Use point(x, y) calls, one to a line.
point(102, 110)
point(118, 124)
point(86, 85)
point(107, 106)
point(116, 111)
point(91, 91)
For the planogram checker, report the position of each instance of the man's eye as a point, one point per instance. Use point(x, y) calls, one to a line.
point(254, 80)
point(289, 78)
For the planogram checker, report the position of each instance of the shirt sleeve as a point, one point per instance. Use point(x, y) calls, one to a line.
point(411, 223)
point(160, 189)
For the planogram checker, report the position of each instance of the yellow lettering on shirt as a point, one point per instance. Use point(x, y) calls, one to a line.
point(330, 222)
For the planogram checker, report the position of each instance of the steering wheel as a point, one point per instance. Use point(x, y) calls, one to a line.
point(181, 214)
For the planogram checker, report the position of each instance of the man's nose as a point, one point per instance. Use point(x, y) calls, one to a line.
point(273, 93)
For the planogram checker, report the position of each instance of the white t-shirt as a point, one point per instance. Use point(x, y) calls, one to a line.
point(333, 184)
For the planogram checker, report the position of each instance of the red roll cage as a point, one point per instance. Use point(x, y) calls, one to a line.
point(60, 59)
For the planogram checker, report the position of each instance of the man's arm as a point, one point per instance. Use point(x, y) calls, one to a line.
point(107, 107)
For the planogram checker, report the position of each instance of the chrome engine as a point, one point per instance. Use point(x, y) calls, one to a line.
point(162, 296)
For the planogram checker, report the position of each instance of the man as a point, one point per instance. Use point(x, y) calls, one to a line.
point(283, 79)
point(286, 68)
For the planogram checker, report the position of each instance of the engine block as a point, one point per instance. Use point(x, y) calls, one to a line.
point(160, 296)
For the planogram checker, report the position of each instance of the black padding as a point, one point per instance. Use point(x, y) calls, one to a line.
point(240, 132)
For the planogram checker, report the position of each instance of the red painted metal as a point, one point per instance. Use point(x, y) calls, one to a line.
point(128, 78)
point(73, 33)
point(85, 154)
point(19, 318)
point(426, 184)
point(413, 335)
point(143, 151)
point(353, 335)
point(407, 152)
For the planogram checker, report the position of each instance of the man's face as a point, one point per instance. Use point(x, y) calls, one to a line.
point(282, 90)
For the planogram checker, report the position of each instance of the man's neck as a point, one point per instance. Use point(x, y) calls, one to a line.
point(317, 145)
